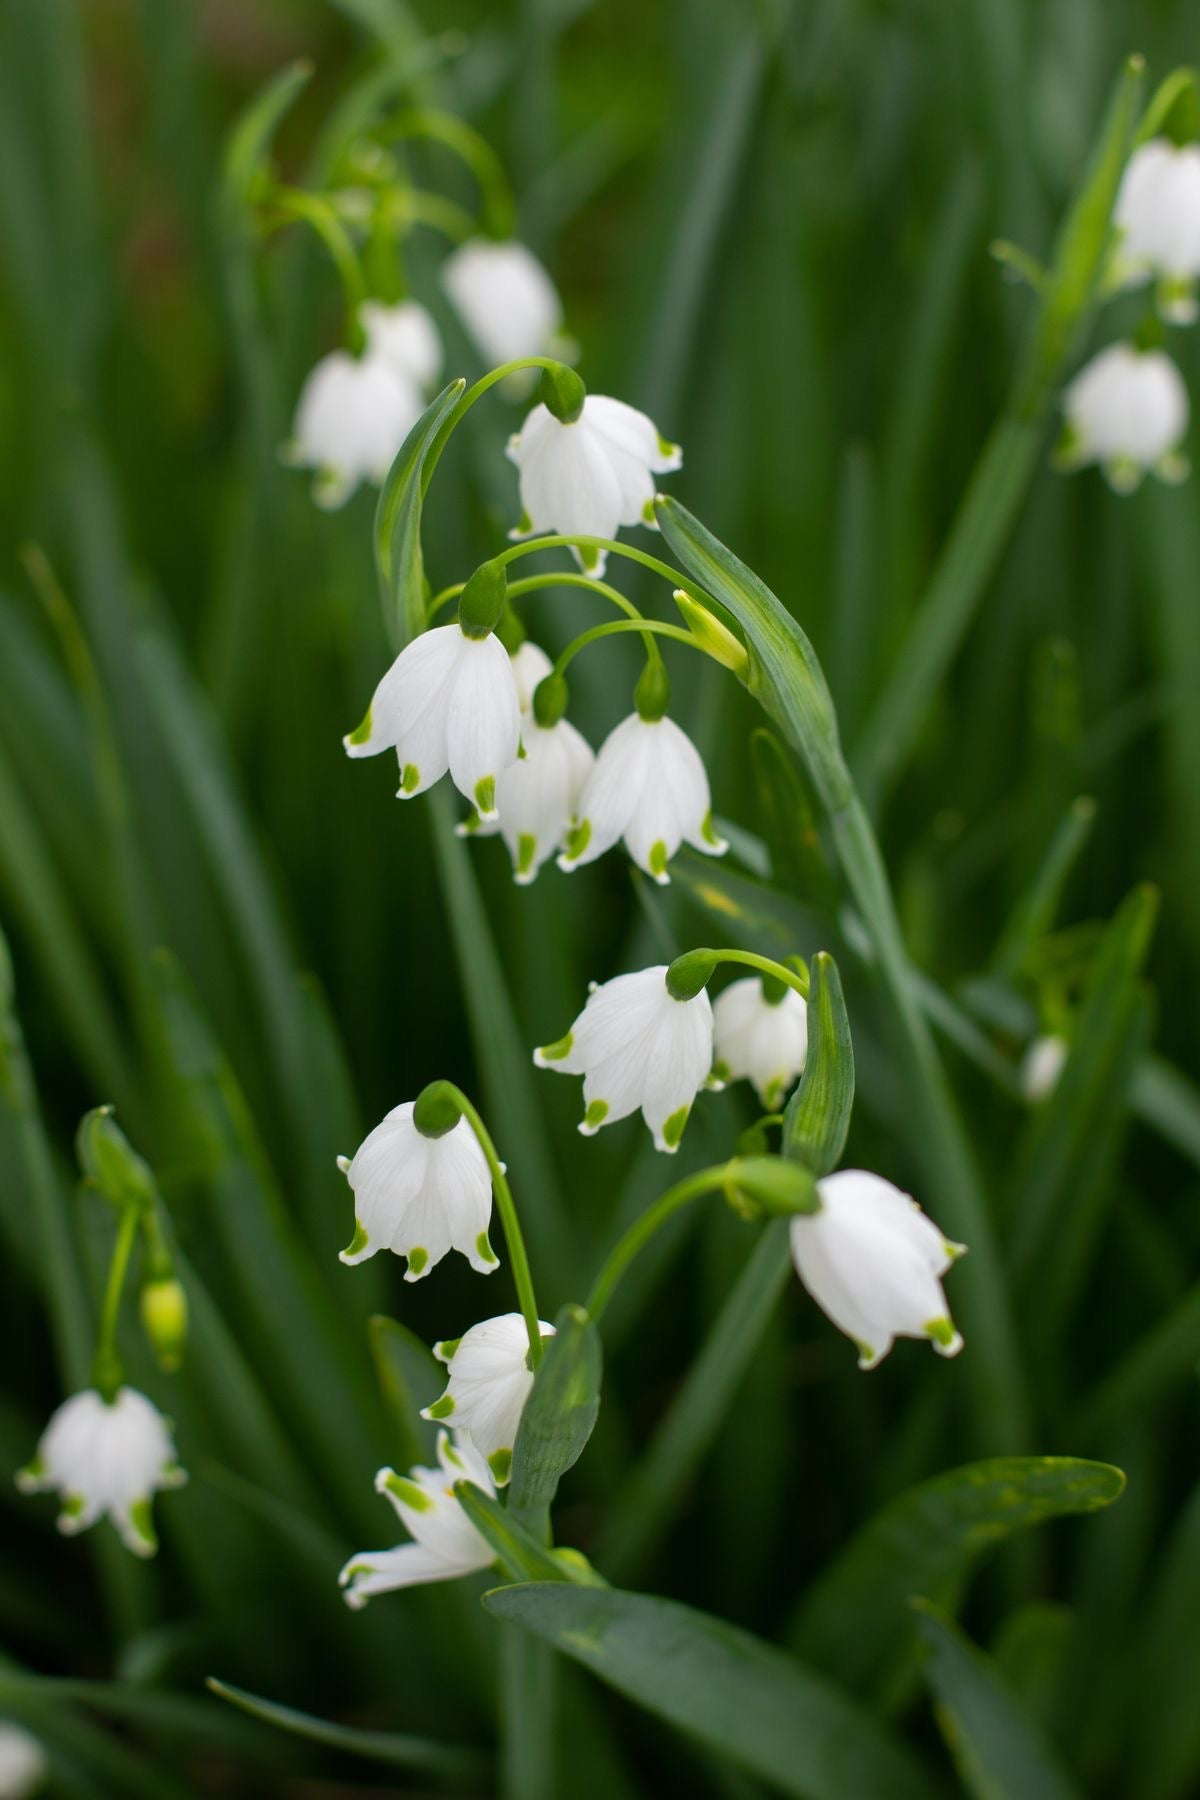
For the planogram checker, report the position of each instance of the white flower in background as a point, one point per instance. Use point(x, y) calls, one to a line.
point(490, 1381)
point(538, 797)
point(353, 415)
point(873, 1263)
point(504, 297)
point(109, 1458)
point(1158, 215)
point(449, 701)
point(23, 1766)
point(592, 476)
point(637, 1046)
point(530, 666)
point(760, 1038)
point(419, 1196)
point(1041, 1067)
point(1128, 411)
point(648, 787)
point(405, 336)
point(445, 1543)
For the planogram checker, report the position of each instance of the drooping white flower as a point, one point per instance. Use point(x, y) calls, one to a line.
point(760, 1037)
point(530, 666)
point(1158, 215)
point(649, 787)
point(1128, 411)
point(106, 1457)
point(444, 1544)
point(352, 417)
point(405, 336)
point(490, 1381)
point(419, 1196)
point(873, 1263)
point(538, 796)
point(23, 1765)
point(591, 476)
point(449, 701)
point(504, 297)
point(1041, 1067)
point(637, 1046)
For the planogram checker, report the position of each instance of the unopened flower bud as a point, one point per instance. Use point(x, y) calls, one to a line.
point(481, 602)
point(712, 636)
point(164, 1311)
point(562, 393)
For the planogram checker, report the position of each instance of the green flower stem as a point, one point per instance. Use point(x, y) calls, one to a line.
point(649, 628)
point(470, 148)
point(531, 583)
point(557, 540)
point(316, 211)
point(767, 966)
point(107, 1370)
point(507, 1208)
point(416, 206)
point(692, 1187)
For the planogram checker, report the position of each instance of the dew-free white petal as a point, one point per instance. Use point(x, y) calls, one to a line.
point(504, 297)
point(103, 1458)
point(420, 1197)
point(763, 1041)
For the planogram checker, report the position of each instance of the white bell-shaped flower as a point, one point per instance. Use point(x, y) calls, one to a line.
point(538, 796)
point(352, 417)
point(444, 1544)
point(530, 667)
point(23, 1764)
point(649, 787)
point(504, 297)
point(449, 701)
point(760, 1037)
point(1128, 411)
point(873, 1263)
point(1158, 216)
point(1041, 1067)
point(591, 476)
point(637, 1046)
point(420, 1196)
point(106, 1457)
point(490, 1381)
point(405, 336)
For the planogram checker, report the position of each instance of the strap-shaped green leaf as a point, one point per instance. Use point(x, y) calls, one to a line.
point(409, 1379)
point(738, 1696)
point(560, 1413)
point(398, 556)
point(854, 1620)
point(818, 1114)
point(250, 140)
point(997, 1748)
point(445, 1762)
point(789, 822)
point(519, 1553)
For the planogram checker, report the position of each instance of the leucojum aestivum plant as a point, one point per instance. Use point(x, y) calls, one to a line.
point(471, 696)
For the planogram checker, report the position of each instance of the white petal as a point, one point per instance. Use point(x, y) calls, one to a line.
point(483, 722)
point(406, 337)
point(504, 297)
point(538, 795)
point(409, 707)
point(613, 790)
point(530, 666)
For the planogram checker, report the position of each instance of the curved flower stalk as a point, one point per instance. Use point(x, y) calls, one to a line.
point(420, 1194)
point(1158, 216)
point(873, 1263)
point(504, 297)
point(445, 1545)
point(1128, 411)
point(761, 1035)
point(106, 1457)
point(490, 1381)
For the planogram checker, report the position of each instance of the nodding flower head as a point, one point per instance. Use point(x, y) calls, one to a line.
point(761, 1035)
point(504, 297)
point(1128, 411)
point(1158, 216)
point(106, 1456)
point(650, 788)
point(420, 1196)
point(490, 1381)
point(445, 1544)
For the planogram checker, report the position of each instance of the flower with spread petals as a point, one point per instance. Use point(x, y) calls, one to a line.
point(106, 1456)
point(23, 1765)
point(449, 701)
point(873, 1263)
point(444, 1544)
point(420, 1196)
point(1158, 215)
point(1041, 1067)
point(637, 1046)
point(490, 1381)
point(504, 297)
point(760, 1030)
point(1128, 411)
point(592, 475)
point(649, 787)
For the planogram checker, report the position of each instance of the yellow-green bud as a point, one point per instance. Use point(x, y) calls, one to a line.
point(712, 635)
point(481, 603)
point(109, 1160)
point(164, 1311)
point(771, 1184)
point(562, 393)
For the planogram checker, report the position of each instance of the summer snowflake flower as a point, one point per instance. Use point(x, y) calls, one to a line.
point(420, 1196)
point(590, 476)
point(490, 1381)
point(760, 1037)
point(1041, 1067)
point(444, 1545)
point(406, 337)
point(648, 787)
point(1128, 411)
point(530, 666)
point(1158, 215)
point(23, 1767)
point(873, 1263)
point(449, 701)
point(106, 1457)
point(538, 797)
point(637, 1046)
point(504, 297)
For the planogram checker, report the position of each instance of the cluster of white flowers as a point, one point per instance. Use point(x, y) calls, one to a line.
point(1128, 410)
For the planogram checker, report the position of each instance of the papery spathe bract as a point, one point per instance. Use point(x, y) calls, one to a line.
point(23, 1763)
point(504, 297)
point(1158, 216)
point(649, 787)
point(760, 1037)
point(637, 1046)
point(106, 1457)
point(405, 336)
point(490, 1381)
point(420, 1196)
point(351, 419)
point(592, 475)
point(873, 1263)
point(445, 1544)
point(1128, 411)
point(449, 701)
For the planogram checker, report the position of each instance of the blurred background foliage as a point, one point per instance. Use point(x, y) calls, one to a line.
point(770, 225)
